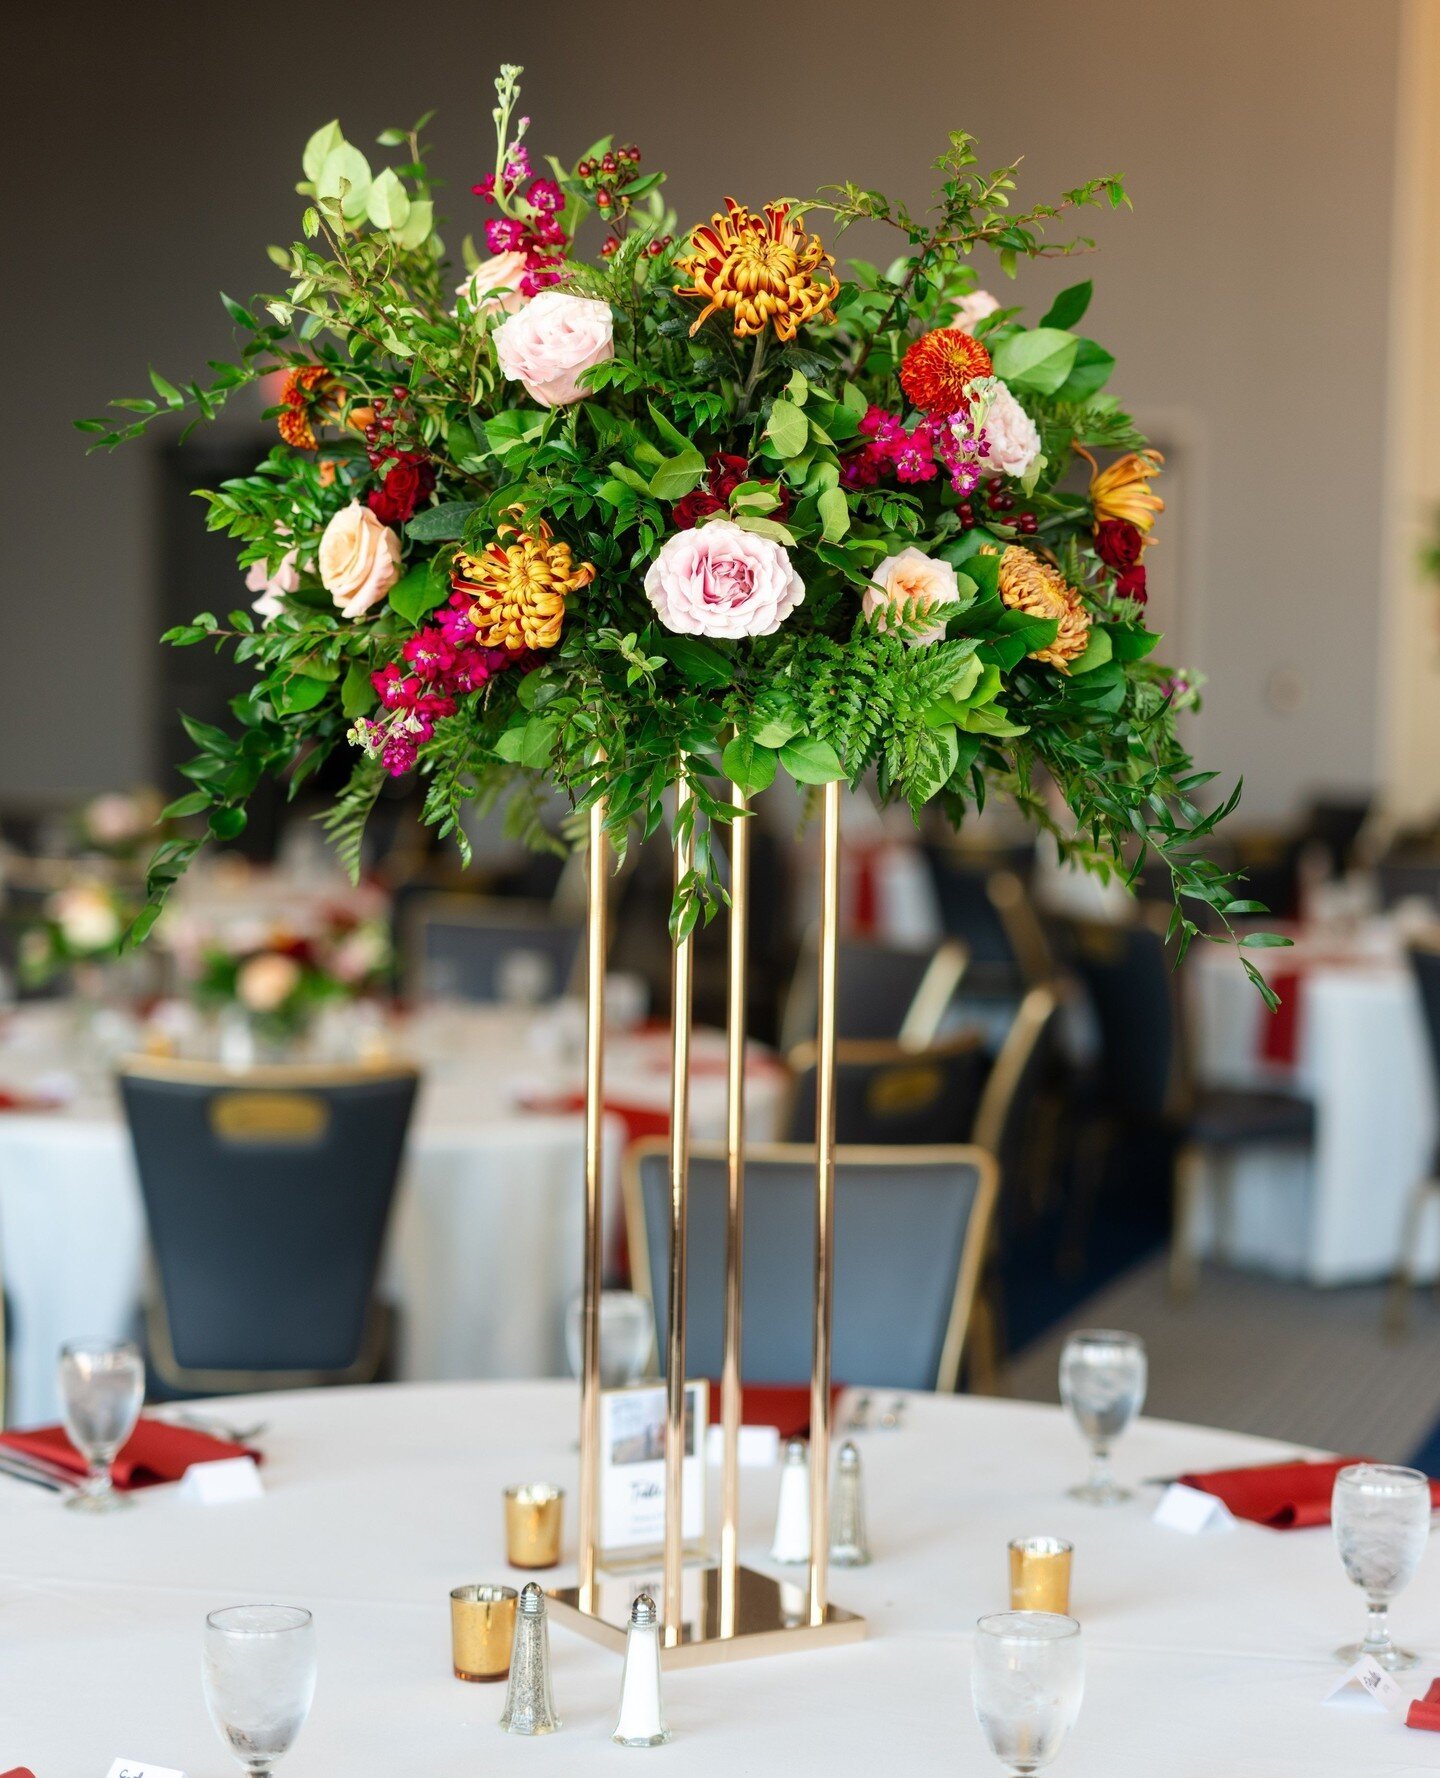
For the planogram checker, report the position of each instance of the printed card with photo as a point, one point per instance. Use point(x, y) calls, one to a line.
point(632, 1471)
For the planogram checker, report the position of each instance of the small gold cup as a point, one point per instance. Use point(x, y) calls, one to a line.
point(482, 1630)
point(532, 1525)
point(1040, 1574)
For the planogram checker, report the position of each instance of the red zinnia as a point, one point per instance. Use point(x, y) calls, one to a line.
point(940, 367)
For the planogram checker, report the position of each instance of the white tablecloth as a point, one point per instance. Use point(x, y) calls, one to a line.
point(485, 1246)
point(1334, 1217)
point(1207, 1657)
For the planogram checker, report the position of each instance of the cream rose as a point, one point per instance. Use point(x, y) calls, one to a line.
point(551, 342)
point(266, 982)
point(86, 917)
point(1009, 431)
point(911, 585)
point(285, 579)
point(721, 580)
point(495, 285)
point(971, 310)
point(359, 560)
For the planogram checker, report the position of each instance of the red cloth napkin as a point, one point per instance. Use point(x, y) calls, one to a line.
point(1424, 1713)
point(156, 1451)
point(1284, 1496)
point(18, 1772)
point(784, 1405)
point(1280, 1030)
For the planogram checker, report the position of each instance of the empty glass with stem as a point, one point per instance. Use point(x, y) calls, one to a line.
point(627, 1334)
point(1102, 1382)
point(102, 1385)
point(1381, 1516)
point(259, 1672)
point(1027, 1678)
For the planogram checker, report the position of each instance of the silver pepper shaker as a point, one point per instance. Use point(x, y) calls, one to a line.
point(848, 1545)
point(642, 1719)
point(791, 1542)
point(529, 1706)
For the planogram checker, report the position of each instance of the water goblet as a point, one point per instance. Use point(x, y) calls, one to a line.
point(1381, 1517)
point(1102, 1382)
point(627, 1332)
point(102, 1384)
point(1027, 1678)
point(259, 1674)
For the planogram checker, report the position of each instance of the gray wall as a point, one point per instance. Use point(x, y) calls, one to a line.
point(153, 151)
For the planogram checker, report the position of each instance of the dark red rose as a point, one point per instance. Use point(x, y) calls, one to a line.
point(408, 480)
point(1131, 584)
point(694, 507)
point(725, 472)
point(1118, 543)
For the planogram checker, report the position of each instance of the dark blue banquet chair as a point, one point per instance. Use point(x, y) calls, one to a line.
point(893, 1094)
point(266, 1196)
point(910, 1235)
point(1425, 967)
point(883, 991)
point(460, 947)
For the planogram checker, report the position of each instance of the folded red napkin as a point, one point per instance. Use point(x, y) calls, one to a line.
point(784, 1405)
point(1284, 1496)
point(1424, 1713)
point(18, 1772)
point(155, 1452)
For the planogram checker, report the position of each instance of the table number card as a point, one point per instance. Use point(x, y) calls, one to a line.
point(1191, 1510)
point(225, 1479)
point(134, 1768)
point(1367, 1684)
point(632, 1470)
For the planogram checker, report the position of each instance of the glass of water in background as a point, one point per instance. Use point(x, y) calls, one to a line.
point(259, 1672)
point(1102, 1382)
point(627, 1336)
point(102, 1386)
point(1027, 1679)
point(1381, 1517)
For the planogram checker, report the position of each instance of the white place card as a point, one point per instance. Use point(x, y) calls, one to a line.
point(1191, 1510)
point(1368, 1685)
point(224, 1480)
point(134, 1768)
point(758, 1447)
point(632, 1469)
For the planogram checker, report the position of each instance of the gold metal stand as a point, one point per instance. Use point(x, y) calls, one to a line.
point(726, 1612)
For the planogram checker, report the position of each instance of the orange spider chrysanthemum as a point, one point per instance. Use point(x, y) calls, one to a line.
point(306, 395)
point(519, 583)
point(1027, 584)
point(940, 367)
point(765, 271)
point(1123, 490)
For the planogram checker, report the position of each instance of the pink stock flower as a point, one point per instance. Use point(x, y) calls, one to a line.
point(720, 580)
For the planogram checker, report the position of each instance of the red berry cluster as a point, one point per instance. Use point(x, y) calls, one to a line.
point(407, 476)
point(999, 503)
point(600, 176)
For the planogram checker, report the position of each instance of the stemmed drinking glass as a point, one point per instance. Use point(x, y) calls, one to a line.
point(1381, 1516)
point(627, 1333)
point(259, 1671)
point(1102, 1382)
point(102, 1384)
point(1027, 1679)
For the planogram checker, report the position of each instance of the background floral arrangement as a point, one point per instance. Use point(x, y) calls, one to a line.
point(82, 923)
point(281, 977)
point(698, 507)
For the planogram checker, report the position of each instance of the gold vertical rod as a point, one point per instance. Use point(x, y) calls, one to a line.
point(824, 1206)
point(595, 947)
point(680, 1004)
point(735, 1019)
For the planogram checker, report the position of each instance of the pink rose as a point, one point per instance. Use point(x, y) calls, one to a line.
point(971, 310)
point(911, 585)
point(266, 982)
point(495, 285)
point(1014, 442)
point(285, 579)
point(720, 580)
point(551, 342)
point(359, 559)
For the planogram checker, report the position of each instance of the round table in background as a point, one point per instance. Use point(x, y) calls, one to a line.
point(1207, 1656)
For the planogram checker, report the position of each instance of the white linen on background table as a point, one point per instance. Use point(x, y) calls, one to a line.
point(1207, 1657)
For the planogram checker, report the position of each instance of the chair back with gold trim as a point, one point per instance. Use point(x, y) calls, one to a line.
point(910, 1235)
point(266, 1195)
point(883, 991)
point(893, 1094)
point(460, 947)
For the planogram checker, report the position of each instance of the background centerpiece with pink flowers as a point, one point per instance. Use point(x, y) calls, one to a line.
point(625, 504)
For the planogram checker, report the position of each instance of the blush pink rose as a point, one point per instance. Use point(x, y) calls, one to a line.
point(495, 284)
point(551, 342)
point(265, 983)
point(359, 559)
point(971, 310)
point(285, 579)
point(911, 585)
point(721, 580)
point(1013, 439)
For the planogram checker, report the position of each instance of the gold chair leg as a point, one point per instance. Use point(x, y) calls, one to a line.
point(1397, 1299)
point(1188, 1188)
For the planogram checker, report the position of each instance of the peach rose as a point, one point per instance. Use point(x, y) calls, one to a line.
point(551, 342)
point(495, 285)
point(266, 982)
point(911, 585)
point(359, 559)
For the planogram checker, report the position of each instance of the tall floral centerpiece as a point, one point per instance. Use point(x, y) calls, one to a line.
point(618, 507)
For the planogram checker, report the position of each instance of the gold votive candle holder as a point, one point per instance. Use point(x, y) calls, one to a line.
point(1040, 1574)
point(482, 1631)
point(532, 1524)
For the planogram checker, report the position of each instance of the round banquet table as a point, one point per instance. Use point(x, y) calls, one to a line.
point(1208, 1656)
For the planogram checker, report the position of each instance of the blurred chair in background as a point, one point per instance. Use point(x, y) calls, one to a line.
point(991, 913)
point(459, 947)
point(1409, 876)
point(893, 1094)
point(1425, 963)
point(266, 1198)
point(893, 993)
point(911, 1229)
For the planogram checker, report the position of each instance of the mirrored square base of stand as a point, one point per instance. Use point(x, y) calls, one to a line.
point(764, 1617)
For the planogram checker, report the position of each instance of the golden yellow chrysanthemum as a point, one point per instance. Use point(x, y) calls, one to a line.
point(519, 586)
point(765, 271)
point(1027, 584)
point(1123, 490)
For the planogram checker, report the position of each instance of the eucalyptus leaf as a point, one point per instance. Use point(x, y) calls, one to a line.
point(327, 138)
point(811, 761)
point(1038, 359)
point(751, 766)
point(787, 428)
point(346, 165)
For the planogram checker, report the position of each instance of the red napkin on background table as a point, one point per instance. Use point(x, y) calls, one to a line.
point(783, 1405)
point(155, 1452)
point(1280, 1030)
point(18, 1772)
point(1284, 1496)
